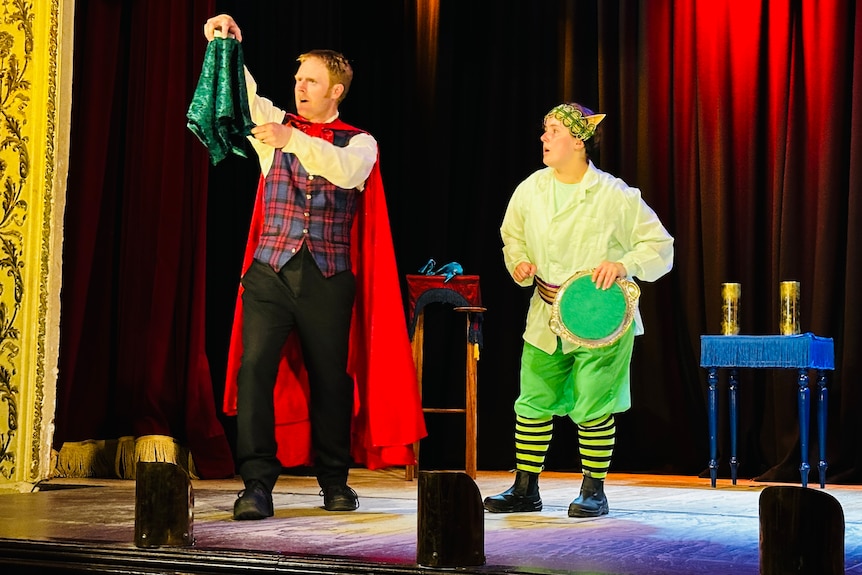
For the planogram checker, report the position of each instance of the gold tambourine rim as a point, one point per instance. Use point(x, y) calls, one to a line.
point(631, 291)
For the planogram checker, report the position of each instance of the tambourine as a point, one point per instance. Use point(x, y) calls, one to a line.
point(593, 317)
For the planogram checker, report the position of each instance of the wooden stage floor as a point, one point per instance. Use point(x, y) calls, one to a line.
point(658, 525)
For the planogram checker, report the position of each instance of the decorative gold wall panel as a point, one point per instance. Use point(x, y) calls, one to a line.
point(36, 40)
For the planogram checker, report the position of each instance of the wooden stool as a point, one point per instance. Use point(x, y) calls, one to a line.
point(801, 531)
point(451, 530)
point(463, 289)
point(469, 409)
point(164, 505)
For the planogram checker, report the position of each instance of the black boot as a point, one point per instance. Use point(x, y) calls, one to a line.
point(523, 496)
point(592, 501)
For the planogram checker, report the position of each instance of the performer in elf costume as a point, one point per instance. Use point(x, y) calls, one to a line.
point(563, 219)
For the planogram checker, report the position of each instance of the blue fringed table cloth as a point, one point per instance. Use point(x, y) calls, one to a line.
point(803, 352)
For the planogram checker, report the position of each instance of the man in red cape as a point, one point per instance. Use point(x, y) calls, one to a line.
point(387, 412)
point(319, 267)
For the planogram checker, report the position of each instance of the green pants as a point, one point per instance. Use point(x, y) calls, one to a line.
point(585, 384)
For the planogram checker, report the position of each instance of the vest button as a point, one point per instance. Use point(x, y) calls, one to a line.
point(305, 230)
point(310, 177)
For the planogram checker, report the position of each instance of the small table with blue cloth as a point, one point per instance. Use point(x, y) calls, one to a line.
point(803, 352)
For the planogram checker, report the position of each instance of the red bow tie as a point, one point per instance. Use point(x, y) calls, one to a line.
point(314, 129)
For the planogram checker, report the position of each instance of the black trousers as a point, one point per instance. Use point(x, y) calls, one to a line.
point(274, 304)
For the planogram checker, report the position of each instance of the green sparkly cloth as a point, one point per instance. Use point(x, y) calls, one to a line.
point(219, 115)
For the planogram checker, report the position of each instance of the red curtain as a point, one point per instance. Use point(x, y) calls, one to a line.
point(132, 358)
point(742, 125)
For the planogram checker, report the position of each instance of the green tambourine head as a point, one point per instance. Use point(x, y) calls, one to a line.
point(590, 312)
point(592, 317)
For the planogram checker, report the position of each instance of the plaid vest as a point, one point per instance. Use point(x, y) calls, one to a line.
point(299, 207)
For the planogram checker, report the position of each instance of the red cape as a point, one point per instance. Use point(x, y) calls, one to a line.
point(387, 413)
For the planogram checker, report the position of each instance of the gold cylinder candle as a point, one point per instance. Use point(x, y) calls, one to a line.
point(731, 293)
point(789, 322)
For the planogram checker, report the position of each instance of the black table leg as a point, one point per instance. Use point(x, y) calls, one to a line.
point(822, 410)
point(734, 385)
point(804, 392)
point(712, 399)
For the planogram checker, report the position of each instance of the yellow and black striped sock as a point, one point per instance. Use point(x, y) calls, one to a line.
point(532, 438)
point(597, 445)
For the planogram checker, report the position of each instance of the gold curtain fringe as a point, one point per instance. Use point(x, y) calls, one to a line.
point(156, 448)
point(117, 458)
point(89, 458)
point(124, 464)
point(162, 448)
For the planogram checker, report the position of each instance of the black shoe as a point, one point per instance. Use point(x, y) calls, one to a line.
point(339, 498)
point(253, 502)
point(522, 497)
point(591, 502)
